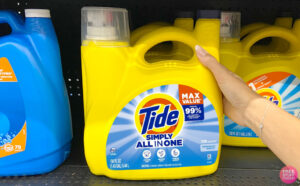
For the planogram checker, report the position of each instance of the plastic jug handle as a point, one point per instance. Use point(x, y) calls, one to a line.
point(13, 20)
point(251, 28)
point(164, 34)
point(139, 32)
point(271, 31)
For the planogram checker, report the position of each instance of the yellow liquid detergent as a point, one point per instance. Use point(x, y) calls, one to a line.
point(145, 120)
point(273, 75)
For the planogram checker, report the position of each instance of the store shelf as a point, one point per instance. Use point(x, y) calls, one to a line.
point(80, 175)
point(238, 166)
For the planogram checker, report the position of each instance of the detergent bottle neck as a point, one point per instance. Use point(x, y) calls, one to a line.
point(286, 22)
point(43, 39)
point(207, 29)
point(185, 23)
point(203, 32)
point(296, 27)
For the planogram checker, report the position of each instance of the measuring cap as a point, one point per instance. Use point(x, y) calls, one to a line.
point(230, 25)
point(104, 24)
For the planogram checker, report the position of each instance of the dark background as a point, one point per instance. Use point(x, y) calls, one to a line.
point(66, 19)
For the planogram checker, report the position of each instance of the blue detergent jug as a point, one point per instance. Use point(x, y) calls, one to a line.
point(35, 121)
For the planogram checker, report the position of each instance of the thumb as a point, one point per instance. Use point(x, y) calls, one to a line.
point(205, 58)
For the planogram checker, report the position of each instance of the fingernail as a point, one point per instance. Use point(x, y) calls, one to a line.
point(200, 50)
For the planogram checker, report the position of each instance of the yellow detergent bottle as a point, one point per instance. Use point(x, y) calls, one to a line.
point(229, 36)
point(274, 75)
point(139, 32)
point(145, 120)
point(247, 29)
point(184, 20)
point(162, 49)
point(230, 27)
point(285, 19)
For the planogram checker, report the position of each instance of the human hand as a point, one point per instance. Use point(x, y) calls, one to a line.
point(278, 129)
point(237, 96)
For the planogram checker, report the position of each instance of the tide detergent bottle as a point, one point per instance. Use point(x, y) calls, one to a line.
point(185, 20)
point(179, 50)
point(230, 27)
point(230, 36)
point(35, 124)
point(285, 19)
point(158, 51)
point(146, 120)
point(273, 75)
point(139, 32)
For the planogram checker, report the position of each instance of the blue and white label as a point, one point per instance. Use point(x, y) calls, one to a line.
point(281, 88)
point(165, 127)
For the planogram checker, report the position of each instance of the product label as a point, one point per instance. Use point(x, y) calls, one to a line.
point(281, 88)
point(12, 113)
point(165, 127)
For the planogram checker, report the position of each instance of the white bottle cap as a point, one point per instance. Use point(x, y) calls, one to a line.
point(104, 24)
point(43, 13)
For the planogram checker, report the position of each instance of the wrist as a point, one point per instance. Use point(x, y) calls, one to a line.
point(255, 113)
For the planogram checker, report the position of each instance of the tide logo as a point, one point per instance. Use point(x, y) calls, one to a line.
point(159, 114)
point(270, 95)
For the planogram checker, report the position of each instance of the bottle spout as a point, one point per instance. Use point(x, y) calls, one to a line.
point(296, 27)
point(207, 29)
point(284, 19)
point(185, 20)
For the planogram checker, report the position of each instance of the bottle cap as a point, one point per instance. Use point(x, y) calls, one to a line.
point(230, 26)
point(104, 24)
point(208, 14)
point(42, 13)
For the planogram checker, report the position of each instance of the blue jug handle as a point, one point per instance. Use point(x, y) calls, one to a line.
point(14, 20)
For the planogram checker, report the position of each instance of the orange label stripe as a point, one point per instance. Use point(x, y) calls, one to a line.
point(267, 80)
point(6, 72)
point(17, 145)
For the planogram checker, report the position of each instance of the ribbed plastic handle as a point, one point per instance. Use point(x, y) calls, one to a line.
point(139, 32)
point(13, 20)
point(164, 34)
point(251, 28)
point(271, 31)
